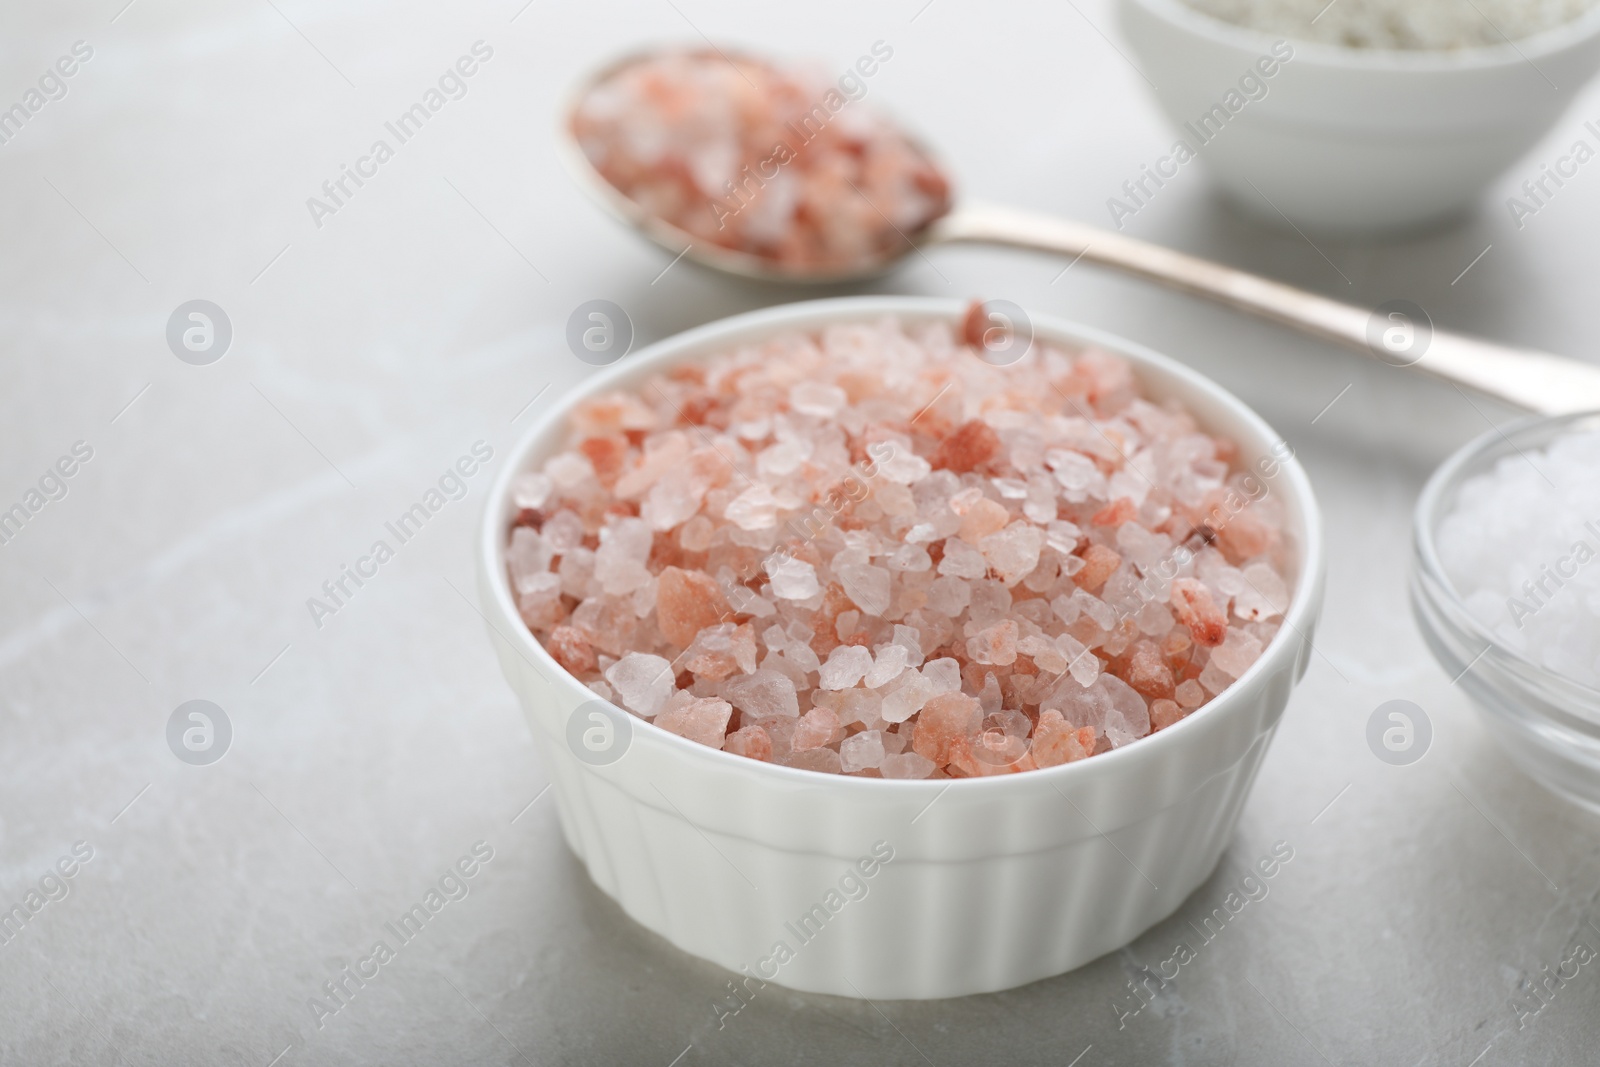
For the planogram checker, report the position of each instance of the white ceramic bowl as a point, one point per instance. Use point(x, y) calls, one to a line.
point(994, 882)
point(1360, 140)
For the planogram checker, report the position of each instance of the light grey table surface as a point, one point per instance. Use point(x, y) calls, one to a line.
point(370, 753)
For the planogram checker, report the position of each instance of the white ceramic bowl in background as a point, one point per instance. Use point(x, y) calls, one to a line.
point(995, 881)
point(1360, 140)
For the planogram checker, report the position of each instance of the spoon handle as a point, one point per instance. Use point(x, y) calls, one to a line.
point(1538, 381)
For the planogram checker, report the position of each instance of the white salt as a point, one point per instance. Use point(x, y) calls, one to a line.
point(1442, 25)
point(1520, 544)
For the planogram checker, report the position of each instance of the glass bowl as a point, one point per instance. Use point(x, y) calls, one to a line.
point(1547, 723)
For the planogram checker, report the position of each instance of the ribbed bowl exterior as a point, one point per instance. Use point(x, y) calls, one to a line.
point(988, 883)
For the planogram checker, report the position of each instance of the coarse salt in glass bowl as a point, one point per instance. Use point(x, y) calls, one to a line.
point(1548, 723)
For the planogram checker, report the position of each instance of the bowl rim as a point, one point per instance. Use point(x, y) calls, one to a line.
point(706, 339)
point(1557, 39)
point(1440, 490)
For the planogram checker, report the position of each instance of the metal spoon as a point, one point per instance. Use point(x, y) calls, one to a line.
point(1538, 381)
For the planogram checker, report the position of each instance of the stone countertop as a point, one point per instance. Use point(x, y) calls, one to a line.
point(373, 345)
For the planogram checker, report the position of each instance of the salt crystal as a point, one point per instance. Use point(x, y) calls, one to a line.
point(1062, 536)
point(1264, 594)
point(861, 751)
point(949, 595)
point(982, 519)
point(643, 682)
point(821, 760)
point(845, 626)
point(944, 675)
point(696, 534)
point(702, 720)
point(1128, 717)
point(907, 696)
point(530, 489)
point(563, 531)
point(961, 560)
point(908, 638)
point(815, 728)
point(846, 665)
point(569, 471)
point(687, 602)
point(910, 558)
point(906, 765)
point(763, 694)
point(750, 741)
point(539, 600)
point(1013, 551)
point(794, 579)
point(890, 662)
point(867, 585)
point(995, 644)
point(1237, 651)
point(1214, 679)
point(944, 719)
point(527, 557)
point(817, 398)
point(619, 563)
point(1057, 741)
point(963, 501)
point(753, 509)
point(904, 467)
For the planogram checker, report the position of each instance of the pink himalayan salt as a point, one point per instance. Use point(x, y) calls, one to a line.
point(1056, 741)
point(686, 603)
point(816, 728)
point(698, 718)
point(720, 650)
point(761, 159)
point(1163, 713)
point(763, 694)
point(750, 741)
point(1195, 608)
point(906, 765)
point(860, 751)
point(846, 665)
point(944, 719)
point(1035, 587)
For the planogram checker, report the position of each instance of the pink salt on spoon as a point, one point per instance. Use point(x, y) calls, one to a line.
point(866, 551)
